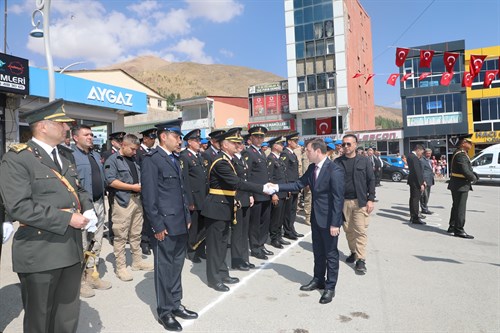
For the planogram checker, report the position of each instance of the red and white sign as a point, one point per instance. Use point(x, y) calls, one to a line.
point(271, 104)
point(258, 106)
point(283, 103)
point(323, 126)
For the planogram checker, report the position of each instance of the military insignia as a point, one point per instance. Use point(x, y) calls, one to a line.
point(283, 158)
point(17, 148)
point(269, 163)
point(246, 158)
point(182, 164)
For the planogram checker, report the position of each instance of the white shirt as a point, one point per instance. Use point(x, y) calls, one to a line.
point(192, 152)
point(48, 149)
point(319, 166)
point(275, 154)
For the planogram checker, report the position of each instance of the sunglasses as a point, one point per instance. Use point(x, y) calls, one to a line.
point(346, 144)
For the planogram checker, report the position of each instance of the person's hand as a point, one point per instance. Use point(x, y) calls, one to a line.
point(270, 188)
point(334, 231)
point(7, 231)
point(92, 217)
point(136, 188)
point(422, 188)
point(252, 201)
point(189, 225)
point(191, 207)
point(275, 200)
point(78, 221)
point(161, 235)
point(369, 206)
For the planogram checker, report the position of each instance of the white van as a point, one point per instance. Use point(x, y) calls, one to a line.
point(486, 164)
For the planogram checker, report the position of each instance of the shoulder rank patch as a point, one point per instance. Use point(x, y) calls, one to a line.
point(18, 147)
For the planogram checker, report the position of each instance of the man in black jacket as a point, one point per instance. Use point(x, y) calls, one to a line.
point(416, 182)
point(359, 196)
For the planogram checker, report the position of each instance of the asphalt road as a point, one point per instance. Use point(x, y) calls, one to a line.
point(419, 279)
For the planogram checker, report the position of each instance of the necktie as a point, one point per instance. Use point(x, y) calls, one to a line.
point(56, 161)
point(174, 160)
point(315, 175)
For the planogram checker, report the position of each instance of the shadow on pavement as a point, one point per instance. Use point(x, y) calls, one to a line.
point(393, 216)
point(10, 304)
point(145, 290)
point(430, 228)
point(426, 258)
point(306, 245)
point(290, 273)
point(89, 321)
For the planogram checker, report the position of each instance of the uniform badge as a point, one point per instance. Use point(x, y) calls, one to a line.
point(182, 164)
point(18, 147)
point(283, 158)
point(246, 158)
point(205, 163)
point(269, 164)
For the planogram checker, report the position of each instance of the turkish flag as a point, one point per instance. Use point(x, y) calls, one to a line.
point(446, 78)
point(392, 79)
point(323, 126)
point(476, 62)
point(467, 79)
point(369, 78)
point(401, 54)
point(406, 77)
point(449, 59)
point(357, 75)
point(424, 75)
point(489, 77)
point(426, 58)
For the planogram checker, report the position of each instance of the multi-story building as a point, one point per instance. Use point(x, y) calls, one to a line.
point(483, 104)
point(327, 43)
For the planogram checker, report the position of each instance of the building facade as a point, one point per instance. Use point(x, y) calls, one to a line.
point(327, 43)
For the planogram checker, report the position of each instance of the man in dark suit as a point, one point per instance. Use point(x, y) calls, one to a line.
point(219, 208)
point(212, 152)
point(461, 179)
point(166, 207)
point(195, 180)
point(428, 173)
point(416, 183)
point(40, 189)
point(326, 181)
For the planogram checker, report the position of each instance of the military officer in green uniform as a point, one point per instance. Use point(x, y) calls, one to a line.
point(461, 179)
point(39, 188)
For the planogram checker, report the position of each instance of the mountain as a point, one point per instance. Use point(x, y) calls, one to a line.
point(188, 79)
point(389, 113)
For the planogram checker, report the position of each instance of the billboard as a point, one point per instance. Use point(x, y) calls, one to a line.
point(14, 75)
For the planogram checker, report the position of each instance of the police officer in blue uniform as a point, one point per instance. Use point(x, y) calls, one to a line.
point(166, 208)
point(212, 153)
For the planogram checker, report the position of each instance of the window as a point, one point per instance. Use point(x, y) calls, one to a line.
point(331, 81)
point(298, 16)
point(301, 82)
point(485, 110)
point(318, 30)
point(311, 82)
point(309, 31)
point(330, 46)
point(148, 100)
point(484, 160)
point(299, 33)
point(320, 48)
point(299, 50)
point(321, 78)
point(159, 103)
point(308, 15)
point(309, 49)
point(494, 109)
point(410, 107)
point(308, 126)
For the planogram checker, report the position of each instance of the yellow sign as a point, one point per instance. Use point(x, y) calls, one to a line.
point(486, 137)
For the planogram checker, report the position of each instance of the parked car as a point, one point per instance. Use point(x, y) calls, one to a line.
point(486, 164)
point(393, 160)
point(394, 173)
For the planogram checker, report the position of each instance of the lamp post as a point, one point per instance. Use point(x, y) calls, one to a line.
point(43, 8)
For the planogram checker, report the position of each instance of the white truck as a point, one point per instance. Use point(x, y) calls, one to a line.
point(486, 164)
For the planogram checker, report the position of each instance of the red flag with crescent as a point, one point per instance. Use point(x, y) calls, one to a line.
point(406, 77)
point(323, 126)
point(449, 59)
point(392, 79)
point(446, 78)
point(424, 75)
point(401, 54)
point(426, 58)
point(357, 75)
point(489, 77)
point(467, 79)
point(369, 78)
point(476, 63)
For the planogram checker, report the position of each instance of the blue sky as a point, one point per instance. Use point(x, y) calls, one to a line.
point(237, 32)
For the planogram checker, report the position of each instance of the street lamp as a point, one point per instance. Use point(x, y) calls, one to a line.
point(43, 9)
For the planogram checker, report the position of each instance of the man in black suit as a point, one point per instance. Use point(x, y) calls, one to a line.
point(195, 180)
point(219, 208)
point(326, 181)
point(416, 183)
point(428, 173)
point(166, 208)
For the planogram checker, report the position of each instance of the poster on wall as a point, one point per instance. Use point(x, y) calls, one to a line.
point(271, 104)
point(14, 74)
point(283, 103)
point(258, 106)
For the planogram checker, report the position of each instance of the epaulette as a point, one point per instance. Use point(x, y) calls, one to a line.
point(18, 147)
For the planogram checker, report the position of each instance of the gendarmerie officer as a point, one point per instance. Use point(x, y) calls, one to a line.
point(40, 189)
point(219, 208)
point(195, 180)
point(292, 175)
point(212, 153)
point(260, 212)
point(277, 175)
point(461, 179)
point(166, 207)
point(148, 141)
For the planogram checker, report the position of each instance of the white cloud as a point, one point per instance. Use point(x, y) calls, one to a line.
point(226, 53)
point(193, 50)
point(144, 8)
point(174, 23)
point(215, 10)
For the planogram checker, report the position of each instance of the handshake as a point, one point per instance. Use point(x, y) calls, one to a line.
point(271, 188)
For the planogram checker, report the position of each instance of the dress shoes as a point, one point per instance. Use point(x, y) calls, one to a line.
point(193, 257)
point(351, 259)
point(327, 296)
point(296, 234)
point(146, 250)
point(258, 255)
point(241, 267)
point(313, 285)
point(417, 221)
point(420, 216)
point(267, 252)
point(428, 212)
point(230, 280)
point(184, 313)
point(451, 230)
point(170, 323)
point(219, 287)
point(292, 237)
point(463, 234)
point(251, 266)
point(202, 255)
point(276, 243)
point(283, 242)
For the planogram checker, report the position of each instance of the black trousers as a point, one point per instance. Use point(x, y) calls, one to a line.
point(196, 232)
point(217, 240)
point(458, 209)
point(326, 256)
point(146, 232)
point(239, 237)
point(290, 213)
point(424, 198)
point(277, 219)
point(415, 194)
point(260, 216)
point(51, 299)
point(169, 256)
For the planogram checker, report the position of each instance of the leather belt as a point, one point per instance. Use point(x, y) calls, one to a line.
point(458, 175)
point(69, 210)
point(217, 191)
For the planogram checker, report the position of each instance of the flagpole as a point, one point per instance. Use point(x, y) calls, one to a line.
point(336, 108)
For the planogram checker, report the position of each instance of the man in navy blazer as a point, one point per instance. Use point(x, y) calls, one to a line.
point(166, 207)
point(326, 181)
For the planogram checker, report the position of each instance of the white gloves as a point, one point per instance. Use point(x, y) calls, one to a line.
point(92, 225)
point(270, 188)
point(7, 230)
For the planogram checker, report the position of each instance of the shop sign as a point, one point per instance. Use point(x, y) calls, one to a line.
point(380, 136)
point(280, 125)
point(14, 74)
point(268, 87)
point(487, 137)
